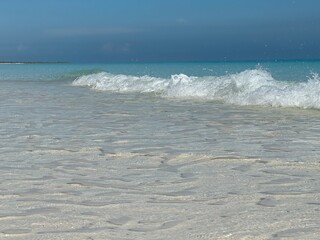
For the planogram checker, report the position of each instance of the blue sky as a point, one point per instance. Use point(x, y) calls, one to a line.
point(158, 30)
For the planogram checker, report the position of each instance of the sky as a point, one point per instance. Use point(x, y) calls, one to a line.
point(158, 30)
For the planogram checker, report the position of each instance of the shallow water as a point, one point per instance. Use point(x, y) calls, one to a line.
point(83, 164)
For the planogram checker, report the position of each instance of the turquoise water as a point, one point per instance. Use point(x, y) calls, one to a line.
point(285, 70)
point(253, 96)
point(275, 84)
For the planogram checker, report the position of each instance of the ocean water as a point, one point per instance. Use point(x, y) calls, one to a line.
point(143, 151)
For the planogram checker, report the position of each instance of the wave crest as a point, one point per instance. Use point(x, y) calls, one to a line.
point(250, 87)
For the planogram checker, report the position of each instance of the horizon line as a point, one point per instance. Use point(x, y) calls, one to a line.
point(163, 61)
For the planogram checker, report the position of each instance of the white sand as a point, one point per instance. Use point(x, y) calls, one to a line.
point(87, 194)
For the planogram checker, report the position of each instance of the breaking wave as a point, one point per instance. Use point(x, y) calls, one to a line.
point(250, 87)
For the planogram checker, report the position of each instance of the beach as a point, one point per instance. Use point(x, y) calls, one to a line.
point(160, 151)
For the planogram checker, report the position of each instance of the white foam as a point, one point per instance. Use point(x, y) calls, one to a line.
point(121, 83)
point(250, 87)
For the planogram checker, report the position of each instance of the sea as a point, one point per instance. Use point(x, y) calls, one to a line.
point(196, 150)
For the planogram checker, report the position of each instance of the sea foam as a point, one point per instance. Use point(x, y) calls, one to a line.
point(250, 87)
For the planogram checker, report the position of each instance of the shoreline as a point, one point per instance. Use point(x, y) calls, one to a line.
point(80, 164)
